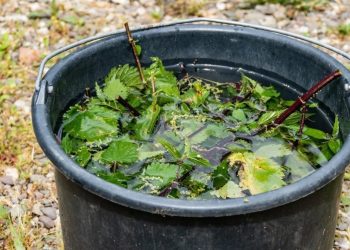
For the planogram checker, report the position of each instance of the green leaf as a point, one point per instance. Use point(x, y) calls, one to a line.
point(117, 178)
point(83, 156)
point(196, 95)
point(93, 125)
point(197, 182)
point(268, 117)
point(197, 159)
point(334, 145)
point(146, 124)
point(120, 152)
point(229, 190)
point(114, 89)
point(167, 172)
point(315, 133)
point(165, 81)
point(67, 144)
point(149, 151)
point(335, 131)
point(258, 174)
point(99, 92)
point(298, 166)
point(211, 130)
point(273, 150)
point(138, 49)
point(127, 75)
point(220, 175)
point(170, 148)
point(239, 115)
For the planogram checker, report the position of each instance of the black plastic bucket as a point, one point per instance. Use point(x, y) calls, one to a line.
point(99, 215)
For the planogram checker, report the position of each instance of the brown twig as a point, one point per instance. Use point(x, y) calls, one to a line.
point(134, 51)
point(300, 101)
point(128, 106)
point(301, 127)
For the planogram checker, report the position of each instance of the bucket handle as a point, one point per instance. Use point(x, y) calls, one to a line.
point(39, 81)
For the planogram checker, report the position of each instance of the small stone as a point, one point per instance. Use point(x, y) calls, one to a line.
point(36, 209)
point(12, 172)
point(50, 212)
point(22, 105)
point(269, 21)
point(38, 195)
point(7, 180)
point(37, 178)
point(48, 223)
point(220, 6)
point(28, 56)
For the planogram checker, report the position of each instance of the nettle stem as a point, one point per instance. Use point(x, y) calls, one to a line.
point(134, 51)
point(301, 127)
point(300, 101)
point(128, 106)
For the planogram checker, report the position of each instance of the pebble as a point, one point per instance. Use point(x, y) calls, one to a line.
point(10, 171)
point(38, 195)
point(37, 178)
point(23, 105)
point(36, 209)
point(47, 221)
point(7, 180)
point(50, 212)
point(28, 56)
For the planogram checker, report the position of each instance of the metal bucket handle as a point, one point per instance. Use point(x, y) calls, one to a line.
point(39, 80)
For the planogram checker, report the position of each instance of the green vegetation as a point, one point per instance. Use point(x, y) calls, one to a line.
point(192, 138)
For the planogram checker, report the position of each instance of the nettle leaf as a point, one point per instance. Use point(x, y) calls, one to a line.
point(239, 115)
point(115, 89)
point(128, 75)
point(196, 95)
point(315, 133)
point(229, 190)
point(335, 131)
point(170, 148)
point(257, 174)
point(334, 145)
point(83, 156)
point(211, 130)
point(298, 166)
point(67, 144)
point(268, 117)
point(99, 92)
point(146, 124)
point(120, 152)
point(197, 183)
point(197, 159)
point(165, 81)
point(138, 49)
point(273, 150)
point(116, 178)
point(220, 175)
point(166, 172)
point(88, 126)
point(149, 150)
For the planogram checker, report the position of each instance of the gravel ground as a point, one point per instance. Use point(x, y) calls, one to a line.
point(31, 29)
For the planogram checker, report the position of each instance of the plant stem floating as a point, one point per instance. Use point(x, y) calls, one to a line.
point(193, 138)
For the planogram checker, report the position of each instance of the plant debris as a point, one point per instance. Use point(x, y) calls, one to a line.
point(191, 138)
